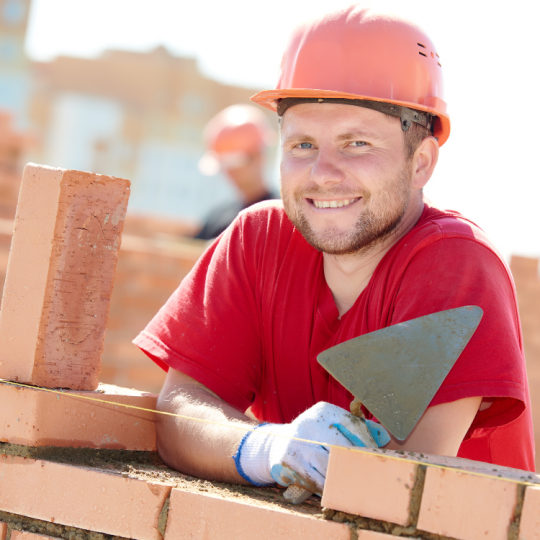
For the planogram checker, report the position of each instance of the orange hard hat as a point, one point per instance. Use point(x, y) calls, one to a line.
point(357, 54)
point(232, 136)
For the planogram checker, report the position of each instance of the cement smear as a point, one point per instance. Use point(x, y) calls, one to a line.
point(513, 530)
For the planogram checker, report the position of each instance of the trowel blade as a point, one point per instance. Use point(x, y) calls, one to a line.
point(396, 371)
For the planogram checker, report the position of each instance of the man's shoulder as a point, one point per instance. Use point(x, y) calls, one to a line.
point(438, 224)
point(450, 238)
point(265, 217)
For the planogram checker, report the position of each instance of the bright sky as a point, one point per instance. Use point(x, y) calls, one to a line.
point(490, 50)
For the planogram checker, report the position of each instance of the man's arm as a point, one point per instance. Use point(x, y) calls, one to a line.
point(441, 429)
point(205, 450)
point(198, 448)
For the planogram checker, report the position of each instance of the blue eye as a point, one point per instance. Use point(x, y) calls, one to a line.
point(305, 145)
point(358, 143)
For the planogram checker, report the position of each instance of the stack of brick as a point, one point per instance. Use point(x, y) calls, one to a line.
point(81, 463)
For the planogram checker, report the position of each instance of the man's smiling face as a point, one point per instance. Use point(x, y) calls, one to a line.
point(345, 179)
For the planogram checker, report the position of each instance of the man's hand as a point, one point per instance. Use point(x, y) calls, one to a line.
point(268, 454)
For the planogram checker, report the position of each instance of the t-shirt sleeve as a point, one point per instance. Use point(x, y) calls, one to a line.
point(455, 272)
point(209, 328)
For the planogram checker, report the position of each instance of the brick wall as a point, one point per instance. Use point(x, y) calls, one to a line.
point(83, 490)
point(526, 276)
point(148, 272)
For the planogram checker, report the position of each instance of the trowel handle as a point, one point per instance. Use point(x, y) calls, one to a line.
point(356, 408)
point(296, 495)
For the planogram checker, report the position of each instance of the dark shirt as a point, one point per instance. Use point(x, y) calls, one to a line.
point(223, 215)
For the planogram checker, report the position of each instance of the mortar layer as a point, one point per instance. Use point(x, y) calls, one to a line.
point(23, 523)
point(148, 466)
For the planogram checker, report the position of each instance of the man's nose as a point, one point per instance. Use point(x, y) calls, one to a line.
point(326, 170)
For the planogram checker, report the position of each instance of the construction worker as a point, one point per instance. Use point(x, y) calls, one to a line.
point(236, 139)
point(353, 248)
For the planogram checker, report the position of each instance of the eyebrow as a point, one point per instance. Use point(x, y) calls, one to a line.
point(355, 135)
point(347, 136)
point(299, 138)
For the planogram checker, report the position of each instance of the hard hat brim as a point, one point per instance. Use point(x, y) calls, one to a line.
point(432, 105)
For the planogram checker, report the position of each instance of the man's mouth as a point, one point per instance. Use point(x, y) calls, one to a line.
point(333, 204)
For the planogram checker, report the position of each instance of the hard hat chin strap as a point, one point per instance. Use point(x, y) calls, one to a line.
point(406, 115)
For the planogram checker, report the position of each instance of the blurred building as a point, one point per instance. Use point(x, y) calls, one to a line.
point(15, 76)
point(134, 115)
point(129, 114)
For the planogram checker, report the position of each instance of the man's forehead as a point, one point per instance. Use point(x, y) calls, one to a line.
point(339, 120)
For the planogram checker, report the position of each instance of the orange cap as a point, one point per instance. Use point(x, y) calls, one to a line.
point(232, 135)
point(357, 54)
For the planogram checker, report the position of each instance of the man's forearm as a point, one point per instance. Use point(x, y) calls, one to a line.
point(199, 447)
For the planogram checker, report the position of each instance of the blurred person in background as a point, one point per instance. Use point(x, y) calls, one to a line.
point(236, 139)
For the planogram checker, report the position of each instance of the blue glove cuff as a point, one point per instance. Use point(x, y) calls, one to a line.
point(237, 457)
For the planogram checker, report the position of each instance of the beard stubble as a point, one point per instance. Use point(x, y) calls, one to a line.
point(382, 214)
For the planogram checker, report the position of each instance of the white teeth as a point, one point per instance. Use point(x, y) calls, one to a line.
point(334, 204)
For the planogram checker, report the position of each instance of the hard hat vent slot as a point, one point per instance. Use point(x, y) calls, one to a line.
point(422, 54)
point(423, 46)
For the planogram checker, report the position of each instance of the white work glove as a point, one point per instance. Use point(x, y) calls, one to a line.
point(264, 456)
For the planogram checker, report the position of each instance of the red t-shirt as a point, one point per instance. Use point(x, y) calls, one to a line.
point(251, 317)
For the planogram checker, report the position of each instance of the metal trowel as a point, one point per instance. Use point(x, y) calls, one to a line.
point(395, 372)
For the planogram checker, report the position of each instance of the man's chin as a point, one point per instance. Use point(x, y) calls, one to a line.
point(332, 242)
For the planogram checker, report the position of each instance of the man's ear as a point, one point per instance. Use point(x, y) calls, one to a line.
point(424, 160)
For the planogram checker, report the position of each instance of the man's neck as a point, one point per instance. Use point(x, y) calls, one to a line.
point(348, 275)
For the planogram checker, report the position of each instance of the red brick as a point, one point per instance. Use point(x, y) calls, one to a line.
point(529, 528)
point(60, 276)
point(25, 535)
point(34, 417)
point(369, 485)
point(196, 516)
point(80, 497)
point(3, 530)
point(465, 506)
